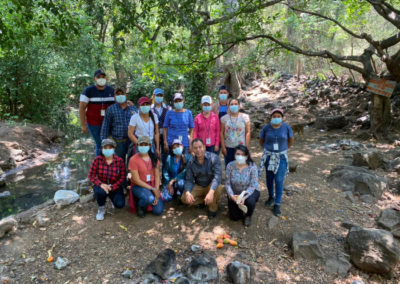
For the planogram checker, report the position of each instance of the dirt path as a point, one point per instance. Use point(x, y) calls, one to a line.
point(100, 251)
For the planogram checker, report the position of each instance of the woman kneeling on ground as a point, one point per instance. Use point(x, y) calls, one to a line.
point(242, 186)
point(107, 173)
point(144, 168)
point(175, 170)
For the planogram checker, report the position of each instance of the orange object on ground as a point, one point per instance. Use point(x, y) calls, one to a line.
point(220, 241)
point(50, 259)
point(233, 243)
point(226, 236)
point(219, 245)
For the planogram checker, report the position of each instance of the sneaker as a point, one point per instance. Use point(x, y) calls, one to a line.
point(100, 213)
point(211, 215)
point(277, 211)
point(247, 221)
point(140, 212)
point(270, 202)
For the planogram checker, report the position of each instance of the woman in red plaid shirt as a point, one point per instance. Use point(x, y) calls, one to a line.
point(107, 173)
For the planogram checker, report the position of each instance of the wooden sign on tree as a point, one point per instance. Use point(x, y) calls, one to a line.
point(381, 86)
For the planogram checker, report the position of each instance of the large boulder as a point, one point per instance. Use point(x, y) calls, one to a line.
point(357, 179)
point(390, 220)
point(65, 197)
point(372, 160)
point(338, 264)
point(163, 265)
point(331, 122)
point(203, 268)
point(240, 273)
point(305, 245)
point(7, 225)
point(373, 250)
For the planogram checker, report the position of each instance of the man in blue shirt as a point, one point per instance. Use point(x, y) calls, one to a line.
point(116, 122)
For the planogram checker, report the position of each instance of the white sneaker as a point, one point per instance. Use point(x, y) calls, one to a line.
point(100, 213)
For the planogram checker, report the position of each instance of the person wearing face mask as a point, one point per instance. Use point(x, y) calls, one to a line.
point(145, 180)
point(145, 123)
point(175, 170)
point(276, 138)
point(160, 109)
point(107, 173)
point(242, 180)
point(220, 107)
point(178, 124)
point(116, 122)
point(207, 126)
point(235, 131)
point(93, 103)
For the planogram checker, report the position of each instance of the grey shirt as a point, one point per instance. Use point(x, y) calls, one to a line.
point(209, 172)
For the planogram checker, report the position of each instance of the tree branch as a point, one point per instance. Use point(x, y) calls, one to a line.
point(241, 11)
point(386, 11)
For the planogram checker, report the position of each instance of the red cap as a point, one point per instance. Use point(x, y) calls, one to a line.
point(143, 100)
point(277, 110)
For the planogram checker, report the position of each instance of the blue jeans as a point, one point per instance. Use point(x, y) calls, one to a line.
point(117, 196)
point(279, 179)
point(179, 187)
point(94, 130)
point(145, 197)
point(230, 155)
point(122, 149)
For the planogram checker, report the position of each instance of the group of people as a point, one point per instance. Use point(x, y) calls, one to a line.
point(171, 155)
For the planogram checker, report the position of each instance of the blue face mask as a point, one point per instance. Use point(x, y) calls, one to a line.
point(223, 97)
point(207, 108)
point(120, 99)
point(178, 151)
point(107, 152)
point(234, 108)
point(158, 100)
point(178, 105)
point(143, 149)
point(144, 109)
point(276, 120)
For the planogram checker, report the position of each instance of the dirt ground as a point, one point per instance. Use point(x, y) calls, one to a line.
point(100, 251)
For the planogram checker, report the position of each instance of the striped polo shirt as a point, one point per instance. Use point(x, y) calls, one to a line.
point(97, 100)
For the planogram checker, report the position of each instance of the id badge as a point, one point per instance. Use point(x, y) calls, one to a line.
point(180, 138)
point(148, 178)
point(208, 141)
point(103, 112)
point(276, 146)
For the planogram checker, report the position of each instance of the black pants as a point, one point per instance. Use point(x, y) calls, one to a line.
point(234, 211)
point(117, 196)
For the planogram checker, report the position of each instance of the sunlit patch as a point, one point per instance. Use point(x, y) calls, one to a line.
point(78, 219)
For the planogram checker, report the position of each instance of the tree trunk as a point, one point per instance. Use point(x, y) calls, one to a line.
point(380, 114)
point(232, 81)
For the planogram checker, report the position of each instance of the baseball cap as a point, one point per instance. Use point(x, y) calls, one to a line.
point(99, 72)
point(277, 110)
point(144, 139)
point(108, 141)
point(178, 96)
point(158, 91)
point(177, 141)
point(143, 100)
point(206, 99)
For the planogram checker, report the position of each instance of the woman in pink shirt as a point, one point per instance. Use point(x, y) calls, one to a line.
point(207, 126)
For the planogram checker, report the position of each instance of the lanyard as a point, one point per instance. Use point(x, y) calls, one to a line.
point(234, 125)
point(207, 125)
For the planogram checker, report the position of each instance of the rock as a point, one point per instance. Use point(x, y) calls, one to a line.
point(349, 196)
point(349, 145)
point(293, 166)
point(42, 219)
point(182, 280)
point(2, 179)
point(358, 281)
point(338, 264)
point(7, 161)
point(86, 198)
point(373, 250)
point(313, 101)
point(356, 179)
point(5, 193)
point(364, 121)
point(203, 268)
point(390, 220)
point(330, 122)
point(163, 265)
point(83, 187)
point(7, 225)
point(61, 263)
point(273, 221)
point(65, 197)
point(195, 248)
point(291, 189)
point(367, 198)
point(240, 273)
point(372, 160)
point(127, 274)
point(305, 244)
point(348, 225)
point(150, 279)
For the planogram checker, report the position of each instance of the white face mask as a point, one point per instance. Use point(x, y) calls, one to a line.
point(240, 159)
point(101, 82)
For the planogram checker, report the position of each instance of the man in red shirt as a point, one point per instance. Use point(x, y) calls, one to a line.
point(93, 103)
